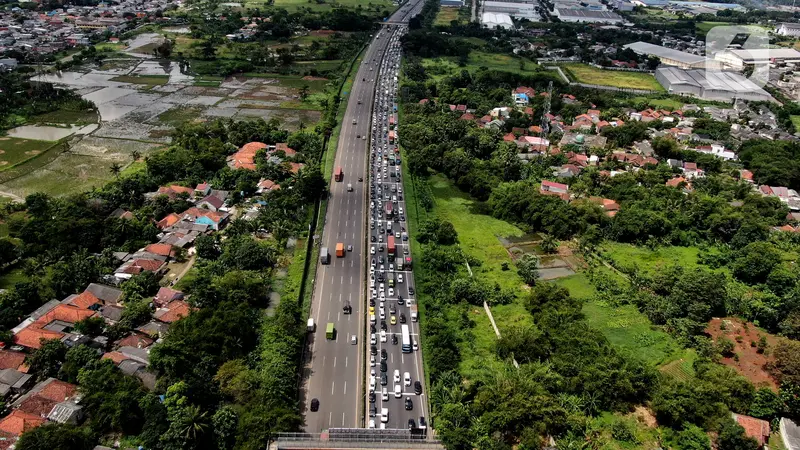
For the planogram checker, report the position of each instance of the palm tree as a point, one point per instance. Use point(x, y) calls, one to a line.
point(549, 244)
point(115, 169)
point(135, 155)
point(195, 423)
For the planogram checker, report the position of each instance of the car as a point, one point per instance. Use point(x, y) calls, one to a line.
point(372, 360)
point(411, 290)
point(398, 391)
point(372, 372)
point(384, 366)
point(402, 318)
point(400, 278)
point(373, 410)
point(372, 310)
point(385, 394)
point(372, 423)
point(314, 405)
point(383, 313)
point(372, 339)
point(418, 388)
point(383, 325)
point(361, 179)
point(396, 235)
point(384, 379)
point(394, 339)
point(393, 320)
point(353, 339)
point(349, 248)
point(391, 290)
point(422, 423)
point(415, 346)
point(373, 349)
point(372, 250)
point(409, 404)
point(411, 424)
point(383, 336)
point(384, 415)
point(396, 376)
point(384, 354)
point(407, 379)
point(392, 309)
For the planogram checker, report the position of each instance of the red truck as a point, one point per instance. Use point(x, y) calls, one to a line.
point(390, 245)
point(338, 175)
point(389, 210)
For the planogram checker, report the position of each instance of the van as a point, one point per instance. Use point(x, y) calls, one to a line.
point(372, 318)
point(398, 391)
point(311, 326)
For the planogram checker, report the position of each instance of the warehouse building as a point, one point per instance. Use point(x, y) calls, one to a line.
point(738, 59)
point(788, 29)
point(451, 3)
point(492, 20)
point(587, 16)
point(710, 84)
point(668, 56)
point(521, 10)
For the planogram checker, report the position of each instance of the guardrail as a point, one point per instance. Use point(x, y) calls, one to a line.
point(358, 438)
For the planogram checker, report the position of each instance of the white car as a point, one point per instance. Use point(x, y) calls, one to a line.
point(385, 394)
point(384, 415)
point(372, 360)
point(372, 250)
point(401, 208)
point(415, 346)
point(396, 376)
point(372, 339)
point(407, 379)
point(372, 384)
point(372, 423)
point(383, 317)
point(398, 391)
point(372, 372)
point(391, 292)
point(383, 335)
point(399, 277)
point(354, 339)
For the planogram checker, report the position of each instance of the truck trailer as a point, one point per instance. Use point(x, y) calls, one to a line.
point(324, 256)
point(339, 250)
point(339, 174)
point(390, 245)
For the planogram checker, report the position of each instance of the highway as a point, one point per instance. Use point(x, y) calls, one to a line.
point(334, 369)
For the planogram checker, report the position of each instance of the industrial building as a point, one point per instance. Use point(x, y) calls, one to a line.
point(492, 20)
point(788, 29)
point(740, 58)
point(669, 56)
point(451, 3)
point(710, 84)
point(523, 10)
point(587, 16)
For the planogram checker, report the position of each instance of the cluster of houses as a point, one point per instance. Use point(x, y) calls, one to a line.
point(56, 401)
point(27, 31)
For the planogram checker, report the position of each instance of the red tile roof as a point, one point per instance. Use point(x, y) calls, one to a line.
point(195, 212)
point(281, 146)
point(160, 249)
point(117, 357)
point(31, 335)
point(675, 182)
point(755, 428)
point(268, 185)
point(136, 340)
point(58, 391)
point(19, 422)
point(245, 157)
point(173, 190)
point(509, 137)
point(85, 300)
point(168, 221)
point(176, 310)
point(11, 360)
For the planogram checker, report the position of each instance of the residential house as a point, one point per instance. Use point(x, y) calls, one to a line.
point(644, 147)
point(267, 186)
point(168, 221)
point(717, 150)
point(467, 116)
point(582, 122)
point(610, 207)
point(41, 399)
point(202, 189)
point(133, 361)
point(172, 191)
point(567, 171)
point(54, 323)
point(746, 175)
point(13, 425)
point(245, 157)
point(214, 219)
point(120, 213)
point(173, 311)
point(678, 182)
point(754, 428)
point(553, 188)
point(165, 250)
point(583, 141)
point(502, 112)
point(211, 203)
point(521, 100)
point(13, 360)
point(135, 266)
point(690, 170)
point(13, 382)
point(167, 295)
point(533, 143)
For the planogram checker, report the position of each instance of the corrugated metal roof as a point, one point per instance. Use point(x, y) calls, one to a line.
point(664, 52)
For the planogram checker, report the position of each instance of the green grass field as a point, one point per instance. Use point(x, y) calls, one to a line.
point(147, 80)
point(438, 68)
point(796, 122)
point(446, 15)
point(65, 116)
point(629, 256)
point(179, 115)
point(12, 276)
point(625, 327)
point(14, 150)
point(323, 5)
point(584, 73)
point(667, 103)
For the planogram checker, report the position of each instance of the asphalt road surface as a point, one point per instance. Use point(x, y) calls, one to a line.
point(335, 367)
point(396, 369)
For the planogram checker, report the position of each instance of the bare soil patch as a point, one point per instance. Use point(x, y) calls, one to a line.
point(747, 359)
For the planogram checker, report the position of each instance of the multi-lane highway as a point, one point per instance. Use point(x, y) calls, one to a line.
point(334, 372)
point(397, 399)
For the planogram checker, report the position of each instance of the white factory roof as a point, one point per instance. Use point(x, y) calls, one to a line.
point(766, 54)
point(492, 20)
point(588, 14)
point(665, 52)
point(710, 80)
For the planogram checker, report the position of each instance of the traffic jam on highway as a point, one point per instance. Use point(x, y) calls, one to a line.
point(395, 378)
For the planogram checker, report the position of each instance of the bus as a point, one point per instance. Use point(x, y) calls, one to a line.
point(406, 339)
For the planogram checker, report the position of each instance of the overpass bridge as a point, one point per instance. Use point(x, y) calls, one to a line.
point(357, 439)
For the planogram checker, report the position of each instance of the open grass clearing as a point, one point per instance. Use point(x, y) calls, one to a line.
point(627, 256)
point(446, 15)
point(627, 328)
point(585, 73)
point(177, 116)
point(796, 122)
point(65, 116)
point(15, 150)
point(13, 276)
point(438, 68)
point(663, 103)
point(324, 5)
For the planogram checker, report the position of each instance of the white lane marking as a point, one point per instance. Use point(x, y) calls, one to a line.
point(334, 359)
point(333, 386)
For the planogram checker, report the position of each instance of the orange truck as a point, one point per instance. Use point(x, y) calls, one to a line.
point(339, 174)
point(339, 250)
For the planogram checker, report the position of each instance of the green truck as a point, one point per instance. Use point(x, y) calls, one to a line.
point(329, 330)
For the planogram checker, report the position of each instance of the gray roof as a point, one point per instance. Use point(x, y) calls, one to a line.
point(765, 54)
point(105, 293)
point(588, 13)
point(711, 80)
point(66, 412)
point(664, 52)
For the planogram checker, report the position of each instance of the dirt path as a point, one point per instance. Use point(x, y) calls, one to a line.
point(14, 197)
